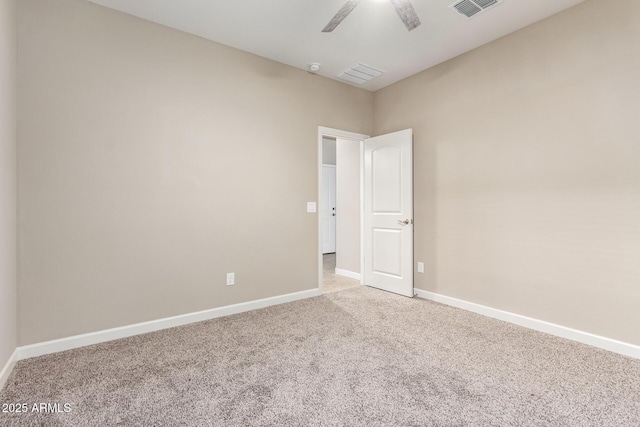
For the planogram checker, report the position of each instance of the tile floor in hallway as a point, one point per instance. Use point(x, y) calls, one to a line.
point(331, 281)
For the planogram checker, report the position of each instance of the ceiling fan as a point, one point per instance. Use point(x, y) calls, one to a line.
point(404, 8)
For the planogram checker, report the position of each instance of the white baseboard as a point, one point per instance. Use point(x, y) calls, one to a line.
point(620, 347)
point(347, 273)
point(68, 343)
point(8, 368)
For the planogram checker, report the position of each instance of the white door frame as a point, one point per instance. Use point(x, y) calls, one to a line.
point(337, 133)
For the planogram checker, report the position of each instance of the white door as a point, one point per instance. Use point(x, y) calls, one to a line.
point(328, 209)
point(388, 212)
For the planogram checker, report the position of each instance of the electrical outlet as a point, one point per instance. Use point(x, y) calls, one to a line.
point(421, 267)
point(231, 279)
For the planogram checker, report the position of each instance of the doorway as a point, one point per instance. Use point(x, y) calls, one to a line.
point(383, 218)
point(340, 209)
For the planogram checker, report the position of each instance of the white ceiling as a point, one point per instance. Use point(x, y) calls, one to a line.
point(289, 31)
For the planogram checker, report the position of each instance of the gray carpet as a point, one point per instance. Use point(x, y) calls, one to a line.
point(358, 357)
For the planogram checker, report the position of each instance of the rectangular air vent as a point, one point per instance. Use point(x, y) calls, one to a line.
point(360, 74)
point(471, 8)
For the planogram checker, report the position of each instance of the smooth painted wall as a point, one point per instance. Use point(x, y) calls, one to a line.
point(348, 205)
point(152, 162)
point(527, 170)
point(8, 189)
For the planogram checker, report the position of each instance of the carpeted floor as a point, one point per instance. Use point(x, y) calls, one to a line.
point(357, 357)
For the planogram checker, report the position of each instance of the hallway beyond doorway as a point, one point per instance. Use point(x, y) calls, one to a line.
point(331, 281)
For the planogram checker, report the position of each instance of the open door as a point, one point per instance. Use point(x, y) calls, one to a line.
point(328, 209)
point(388, 212)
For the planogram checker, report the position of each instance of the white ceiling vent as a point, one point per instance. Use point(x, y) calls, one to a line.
point(360, 74)
point(471, 8)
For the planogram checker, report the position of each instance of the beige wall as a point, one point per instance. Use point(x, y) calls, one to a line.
point(8, 197)
point(152, 162)
point(527, 170)
point(348, 205)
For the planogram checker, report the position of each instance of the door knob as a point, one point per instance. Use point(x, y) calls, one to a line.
point(405, 222)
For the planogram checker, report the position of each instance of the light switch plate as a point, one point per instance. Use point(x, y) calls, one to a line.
point(311, 206)
point(421, 267)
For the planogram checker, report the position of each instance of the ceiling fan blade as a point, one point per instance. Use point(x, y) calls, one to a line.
point(407, 13)
point(342, 13)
